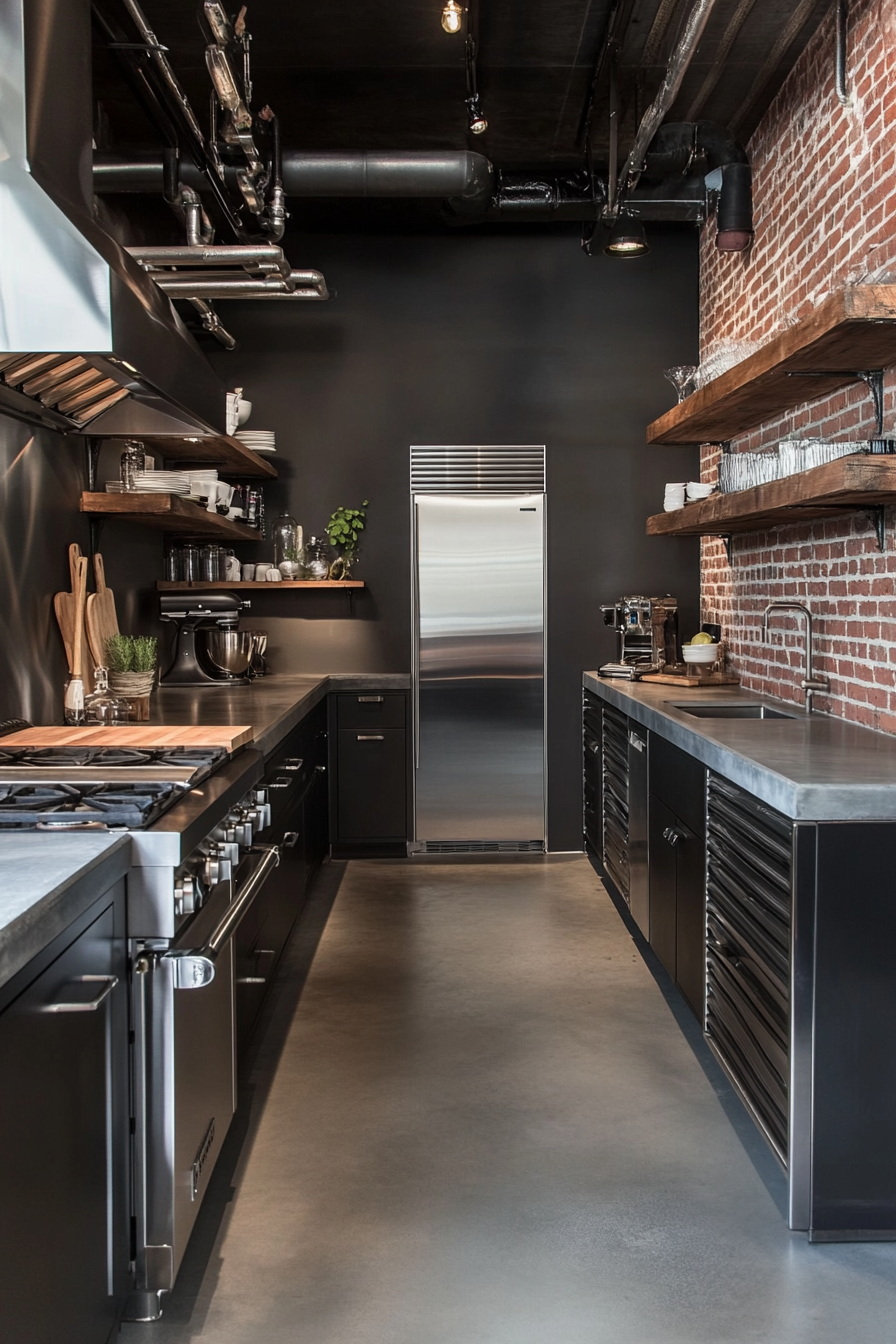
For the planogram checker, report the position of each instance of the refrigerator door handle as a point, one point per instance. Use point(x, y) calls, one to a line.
point(415, 638)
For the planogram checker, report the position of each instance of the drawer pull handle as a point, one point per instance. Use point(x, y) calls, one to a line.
point(280, 783)
point(371, 737)
point(251, 980)
point(292, 763)
point(371, 699)
point(672, 835)
point(108, 983)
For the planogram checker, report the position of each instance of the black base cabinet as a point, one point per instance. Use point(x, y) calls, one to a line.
point(295, 778)
point(677, 866)
point(369, 775)
point(64, 1136)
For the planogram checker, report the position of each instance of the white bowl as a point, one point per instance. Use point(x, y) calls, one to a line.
point(700, 653)
point(699, 490)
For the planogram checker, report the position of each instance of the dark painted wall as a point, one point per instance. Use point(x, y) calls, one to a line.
point(485, 338)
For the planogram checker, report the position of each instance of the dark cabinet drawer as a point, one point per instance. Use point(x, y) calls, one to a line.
point(679, 781)
point(371, 785)
point(370, 709)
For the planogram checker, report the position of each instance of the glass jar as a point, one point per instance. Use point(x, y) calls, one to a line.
point(287, 543)
point(190, 562)
point(317, 558)
point(174, 564)
point(211, 563)
point(133, 461)
point(101, 706)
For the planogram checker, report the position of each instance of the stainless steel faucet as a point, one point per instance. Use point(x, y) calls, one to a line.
point(810, 684)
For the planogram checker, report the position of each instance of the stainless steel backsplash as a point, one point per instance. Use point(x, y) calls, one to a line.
point(41, 479)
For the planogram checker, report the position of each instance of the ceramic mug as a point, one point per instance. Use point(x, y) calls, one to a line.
point(261, 572)
point(273, 575)
point(248, 574)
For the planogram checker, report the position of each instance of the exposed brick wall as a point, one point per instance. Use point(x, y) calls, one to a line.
point(825, 216)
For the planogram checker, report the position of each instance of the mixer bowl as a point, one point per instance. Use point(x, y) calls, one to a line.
point(230, 650)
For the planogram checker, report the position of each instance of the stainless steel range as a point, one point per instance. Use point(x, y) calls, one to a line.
point(194, 816)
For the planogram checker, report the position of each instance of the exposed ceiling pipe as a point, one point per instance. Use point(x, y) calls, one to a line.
point(213, 324)
point(459, 175)
point(668, 92)
point(297, 285)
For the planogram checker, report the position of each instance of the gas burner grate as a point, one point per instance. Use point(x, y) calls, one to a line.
point(53, 806)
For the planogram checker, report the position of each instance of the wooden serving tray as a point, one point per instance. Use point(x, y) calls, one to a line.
point(687, 679)
point(132, 735)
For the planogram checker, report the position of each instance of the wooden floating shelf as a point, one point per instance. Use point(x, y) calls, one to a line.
point(166, 586)
point(169, 513)
point(852, 329)
point(851, 483)
point(231, 456)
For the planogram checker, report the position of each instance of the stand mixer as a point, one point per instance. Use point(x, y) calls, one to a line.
point(210, 649)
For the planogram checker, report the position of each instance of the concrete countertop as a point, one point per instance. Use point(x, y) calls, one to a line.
point(48, 881)
point(811, 768)
point(273, 705)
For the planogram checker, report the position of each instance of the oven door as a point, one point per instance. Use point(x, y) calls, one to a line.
point(184, 1076)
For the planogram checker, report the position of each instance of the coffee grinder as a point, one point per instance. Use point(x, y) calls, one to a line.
point(646, 635)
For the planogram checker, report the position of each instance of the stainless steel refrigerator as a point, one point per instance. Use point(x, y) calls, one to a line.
point(478, 621)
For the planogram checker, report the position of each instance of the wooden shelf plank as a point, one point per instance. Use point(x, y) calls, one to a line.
point(855, 482)
point(166, 586)
point(168, 513)
point(228, 454)
point(852, 329)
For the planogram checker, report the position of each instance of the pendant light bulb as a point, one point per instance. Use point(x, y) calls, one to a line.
point(452, 17)
point(476, 121)
point(627, 238)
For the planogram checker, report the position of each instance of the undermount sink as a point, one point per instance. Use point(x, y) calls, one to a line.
point(743, 710)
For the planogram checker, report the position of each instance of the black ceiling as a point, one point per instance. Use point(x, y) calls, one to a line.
point(382, 74)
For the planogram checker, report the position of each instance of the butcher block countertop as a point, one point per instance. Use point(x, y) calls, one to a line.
point(133, 735)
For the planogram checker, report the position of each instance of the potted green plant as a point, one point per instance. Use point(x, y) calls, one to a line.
point(343, 529)
point(131, 660)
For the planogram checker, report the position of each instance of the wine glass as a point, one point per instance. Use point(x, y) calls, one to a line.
point(681, 377)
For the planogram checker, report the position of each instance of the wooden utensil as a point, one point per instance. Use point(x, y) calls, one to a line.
point(102, 620)
point(64, 606)
point(74, 692)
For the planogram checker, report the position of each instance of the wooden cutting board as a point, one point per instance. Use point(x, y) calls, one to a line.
point(102, 621)
point(134, 735)
point(65, 606)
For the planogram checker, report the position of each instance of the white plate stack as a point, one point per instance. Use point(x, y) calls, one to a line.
point(162, 482)
point(258, 440)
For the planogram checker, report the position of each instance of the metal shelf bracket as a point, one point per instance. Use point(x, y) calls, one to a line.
point(877, 517)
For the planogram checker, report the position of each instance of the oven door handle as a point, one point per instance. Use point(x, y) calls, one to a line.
point(195, 967)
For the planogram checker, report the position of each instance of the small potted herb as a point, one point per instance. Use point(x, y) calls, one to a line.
point(132, 660)
point(343, 529)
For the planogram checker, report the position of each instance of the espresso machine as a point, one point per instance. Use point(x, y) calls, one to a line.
point(646, 636)
point(209, 648)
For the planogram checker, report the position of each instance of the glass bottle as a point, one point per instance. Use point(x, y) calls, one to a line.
point(133, 461)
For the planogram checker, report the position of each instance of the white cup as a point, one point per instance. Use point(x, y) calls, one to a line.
point(273, 575)
point(247, 574)
point(261, 572)
point(674, 496)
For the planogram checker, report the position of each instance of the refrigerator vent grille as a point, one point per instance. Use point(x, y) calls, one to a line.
point(482, 847)
point(448, 469)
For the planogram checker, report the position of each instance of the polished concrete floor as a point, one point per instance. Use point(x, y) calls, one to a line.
point(478, 1116)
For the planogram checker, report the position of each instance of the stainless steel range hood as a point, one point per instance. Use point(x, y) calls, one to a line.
point(124, 362)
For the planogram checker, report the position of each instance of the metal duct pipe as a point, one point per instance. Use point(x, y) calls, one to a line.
point(459, 174)
point(264, 257)
point(734, 213)
point(213, 324)
point(675, 72)
point(297, 285)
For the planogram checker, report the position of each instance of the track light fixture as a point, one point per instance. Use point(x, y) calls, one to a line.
point(452, 17)
point(476, 122)
point(627, 238)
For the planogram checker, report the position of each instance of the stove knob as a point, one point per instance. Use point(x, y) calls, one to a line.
point(185, 894)
point(264, 815)
point(217, 867)
point(260, 796)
